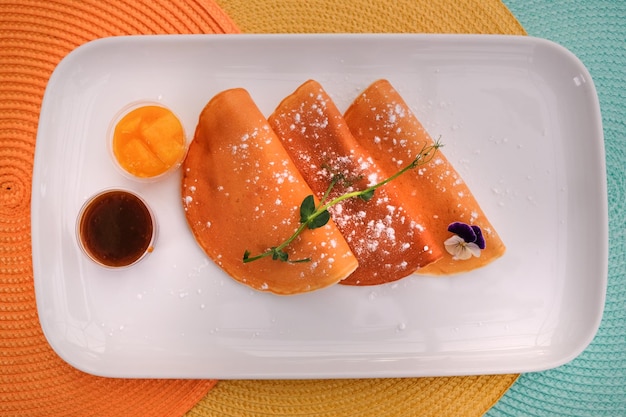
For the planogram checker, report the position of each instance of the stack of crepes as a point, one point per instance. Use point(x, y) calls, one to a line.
point(245, 177)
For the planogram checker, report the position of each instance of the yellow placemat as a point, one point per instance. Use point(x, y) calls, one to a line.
point(451, 396)
point(376, 16)
point(34, 36)
point(425, 397)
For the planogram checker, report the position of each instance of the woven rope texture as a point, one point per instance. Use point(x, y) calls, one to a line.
point(34, 37)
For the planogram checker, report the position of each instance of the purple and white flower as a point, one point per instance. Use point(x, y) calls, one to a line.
point(467, 241)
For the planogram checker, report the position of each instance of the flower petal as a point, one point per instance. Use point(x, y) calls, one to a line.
point(473, 249)
point(454, 245)
point(463, 230)
point(464, 253)
point(480, 240)
point(454, 241)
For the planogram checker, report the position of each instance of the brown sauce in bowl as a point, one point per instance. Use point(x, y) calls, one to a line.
point(116, 228)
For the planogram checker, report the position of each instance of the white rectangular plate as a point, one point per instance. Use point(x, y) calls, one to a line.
point(520, 121)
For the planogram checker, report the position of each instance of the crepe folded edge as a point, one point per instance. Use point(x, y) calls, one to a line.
point(383, 124)
point(389, 238)
point(241, 191)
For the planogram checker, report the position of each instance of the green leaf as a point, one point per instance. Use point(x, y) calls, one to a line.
point(320, 220)
point(246, 255)
point(307, 208)
point(367, 195)
point(279, 254)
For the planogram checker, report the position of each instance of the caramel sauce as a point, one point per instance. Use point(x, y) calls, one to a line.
point(116, 228)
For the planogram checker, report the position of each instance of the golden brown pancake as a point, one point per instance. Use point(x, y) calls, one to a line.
point(388, 239)
point(384, 125)
point(241, 191)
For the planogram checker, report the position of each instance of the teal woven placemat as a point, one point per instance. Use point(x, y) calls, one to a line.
point(594, 384)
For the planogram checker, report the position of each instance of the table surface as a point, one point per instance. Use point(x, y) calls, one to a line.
point(593, 384)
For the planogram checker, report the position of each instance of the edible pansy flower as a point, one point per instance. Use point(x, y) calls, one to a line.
point(467, 241)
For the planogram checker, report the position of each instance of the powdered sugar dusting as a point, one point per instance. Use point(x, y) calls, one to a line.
point(379, 231)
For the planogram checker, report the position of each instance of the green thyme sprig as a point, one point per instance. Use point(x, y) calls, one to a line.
point(312, 216)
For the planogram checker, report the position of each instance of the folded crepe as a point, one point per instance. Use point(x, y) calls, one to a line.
point(387, 237)
point(241, 192)
point(384, 125)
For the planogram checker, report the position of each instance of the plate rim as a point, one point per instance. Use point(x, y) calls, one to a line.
point(602, 223)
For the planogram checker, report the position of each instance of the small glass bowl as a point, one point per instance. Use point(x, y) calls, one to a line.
point(116, 228)
point(122, 116)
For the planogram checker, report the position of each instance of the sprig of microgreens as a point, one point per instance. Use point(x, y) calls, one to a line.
point(312, 216)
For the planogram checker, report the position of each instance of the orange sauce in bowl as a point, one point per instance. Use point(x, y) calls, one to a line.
point(149, 141)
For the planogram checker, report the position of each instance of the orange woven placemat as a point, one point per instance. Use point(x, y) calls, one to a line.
point(34, 36)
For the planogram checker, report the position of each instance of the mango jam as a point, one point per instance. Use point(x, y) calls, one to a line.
point(148, 141)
